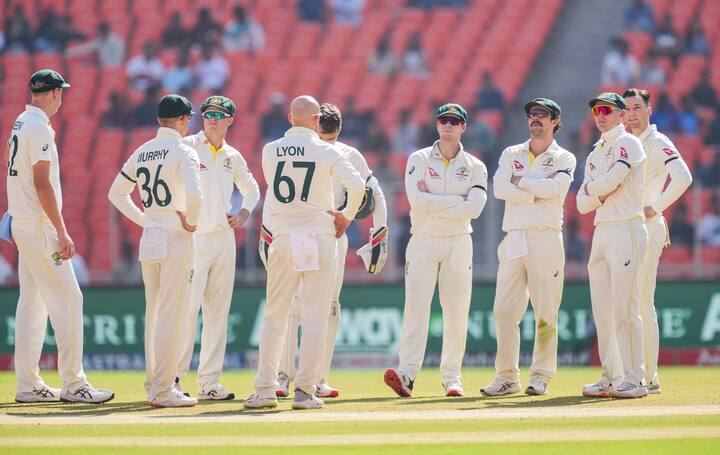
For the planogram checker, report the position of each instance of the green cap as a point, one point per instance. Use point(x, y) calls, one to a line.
point(172, 106)
point(452, 109)
point(46, 80)
point(610, 98)
point(221, 102)
point(547, 103)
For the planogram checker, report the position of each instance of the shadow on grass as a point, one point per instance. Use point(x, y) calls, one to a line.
point(509, 402)
point(336, 401)
point(77, 409)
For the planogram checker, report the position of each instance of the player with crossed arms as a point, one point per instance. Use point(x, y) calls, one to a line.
point(374, 254)
point(299, 214)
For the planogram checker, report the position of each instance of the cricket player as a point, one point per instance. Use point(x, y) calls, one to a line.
point(447, 188)
point(48, 286)
point(167, 175)
point(373, 203)
point(613, 187)
point(221, 168)
point(663, 160)
point(302, 227)
point(533, 179)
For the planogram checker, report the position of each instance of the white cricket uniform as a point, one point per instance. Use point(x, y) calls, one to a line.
point(48, 286)
point(287, 361)
point(531, 255)
point(440, 253)
point(214, 245)
point(617, 163)
point(663, 160)
point(166, 174)
point(300, 169)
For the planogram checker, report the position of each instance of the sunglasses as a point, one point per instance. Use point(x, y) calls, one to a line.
point(602, 110)
point(454, 121)
point(539, 113)
point(217, 115)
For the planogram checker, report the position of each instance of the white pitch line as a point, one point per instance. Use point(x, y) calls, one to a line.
point(288, 416)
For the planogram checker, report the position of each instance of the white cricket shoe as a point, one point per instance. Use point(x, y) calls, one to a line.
point(216, 392)
point(177, 387)
point(400, 383)
point(500, 387)
point(654, 385)
point(177, 401)
point(536, 387)
point(629, 390)
point(598, 390)
point(325, 391)
point(304, 401)
point(259, 401)
point(86, 394)
point(39, 394)
point(454, 389)
point(283, 390)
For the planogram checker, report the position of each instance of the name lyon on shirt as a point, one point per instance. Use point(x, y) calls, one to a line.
point(290, 151)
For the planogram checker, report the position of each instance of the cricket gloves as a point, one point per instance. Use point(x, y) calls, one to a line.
point(266, 240)
point(374, 253)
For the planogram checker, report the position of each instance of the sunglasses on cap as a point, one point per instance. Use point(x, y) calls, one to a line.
point(602, 110)
point(454, 121)
point(217, 115)
point(539, 113)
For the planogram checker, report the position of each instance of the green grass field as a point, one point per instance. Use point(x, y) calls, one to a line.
point(368, 418)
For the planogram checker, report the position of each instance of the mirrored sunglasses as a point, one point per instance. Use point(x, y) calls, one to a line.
point(602, 110)
point(454, 121)
point(217, 115)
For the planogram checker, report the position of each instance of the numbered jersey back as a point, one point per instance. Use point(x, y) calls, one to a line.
point(299, 185)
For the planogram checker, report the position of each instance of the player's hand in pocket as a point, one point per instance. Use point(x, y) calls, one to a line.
point(341, 223)
point(237, 220)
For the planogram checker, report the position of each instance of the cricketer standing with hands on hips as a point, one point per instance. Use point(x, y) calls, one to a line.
point(221, 168)
point(302, 227)
point(447, 189)
point(663, 160)
point(166, 173)
point(613, 187)
point(533, 179)
point(48, 286)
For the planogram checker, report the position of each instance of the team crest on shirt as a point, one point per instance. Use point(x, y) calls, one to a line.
point(518, 165)
point(203, 167)
point(592, 167)
point(668, 151)
point(548, 164)
point(623, 152)
point(192, 274)
point(433, 173)
point(227, 164)
point(56, 258)
point(462, 173)
point(45, 147)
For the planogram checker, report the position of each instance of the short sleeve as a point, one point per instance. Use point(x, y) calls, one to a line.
point(39, 143)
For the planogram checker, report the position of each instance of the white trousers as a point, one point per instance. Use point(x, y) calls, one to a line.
point(539, 276)
point(657, 239)
point(48, 287)
point(167, 302)
point(618, 250)
point(447, 263)
point(211, 289)
point(287, 360)
point(282, 283)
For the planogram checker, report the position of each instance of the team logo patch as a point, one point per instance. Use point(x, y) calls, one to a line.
point(412, 169)
point(215, 101)
point(203, 167)
point(45, 147)
point(623, 152)
point(592, 167)
point(56, 258)
point(668, 151)
point(227, 164)
point(462, 173)
point(433, 173)
point(192, 274)
point(518, 165)
point(548, 164)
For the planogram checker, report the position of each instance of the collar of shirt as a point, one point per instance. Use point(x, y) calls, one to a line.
point(164, 131)
point(552, 150)
point(648, 132)
point(37, 111)
point(437, 154)
point(301, 131)
point(610, 135)
point(212, 148)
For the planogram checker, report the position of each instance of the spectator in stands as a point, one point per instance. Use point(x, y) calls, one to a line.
point(619, 66)
point(118, 114)
point(64, 32)
point(413, 61)
point(666, 41)
point(687, 118)
point(175, 34)
point(708, 173)
point(375, 138)
point(575, 245)
point(489, 96)
point(146, 112)
point(681, 232)
point(206, 30)
point(180, 77)
point(354, 123)
point(704, 93)
point(348, 12)
point(108, 48)
point(212, 70)
point(708, 227)
point(311, 10)
point(242, 33)
point(54, 32)
point(407, 134)
point(274, 123)
point(146, 69)
point(664, 113)
point(478, 138)
point(651, 73)
point(640, 16)
point(18, 31)
point(695, 42)
point(383, 60)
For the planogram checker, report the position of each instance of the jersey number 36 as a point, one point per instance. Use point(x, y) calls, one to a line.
point(153, 195)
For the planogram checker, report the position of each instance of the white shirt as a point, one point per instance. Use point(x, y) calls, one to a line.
point(299, 169)
point(536, 202)
point(618, 163)
point(457, 192)
point(618, 69)
point(143, 72)
point(663, 160)
point(32, 140)
point(166, 173)
point(211, 74)
point(218, 174)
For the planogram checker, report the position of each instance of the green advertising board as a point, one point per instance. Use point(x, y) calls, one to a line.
point(371, 326)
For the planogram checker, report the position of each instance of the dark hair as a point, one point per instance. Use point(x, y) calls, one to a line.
point(558, 126)
point(330, 118)
point(644, 94)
